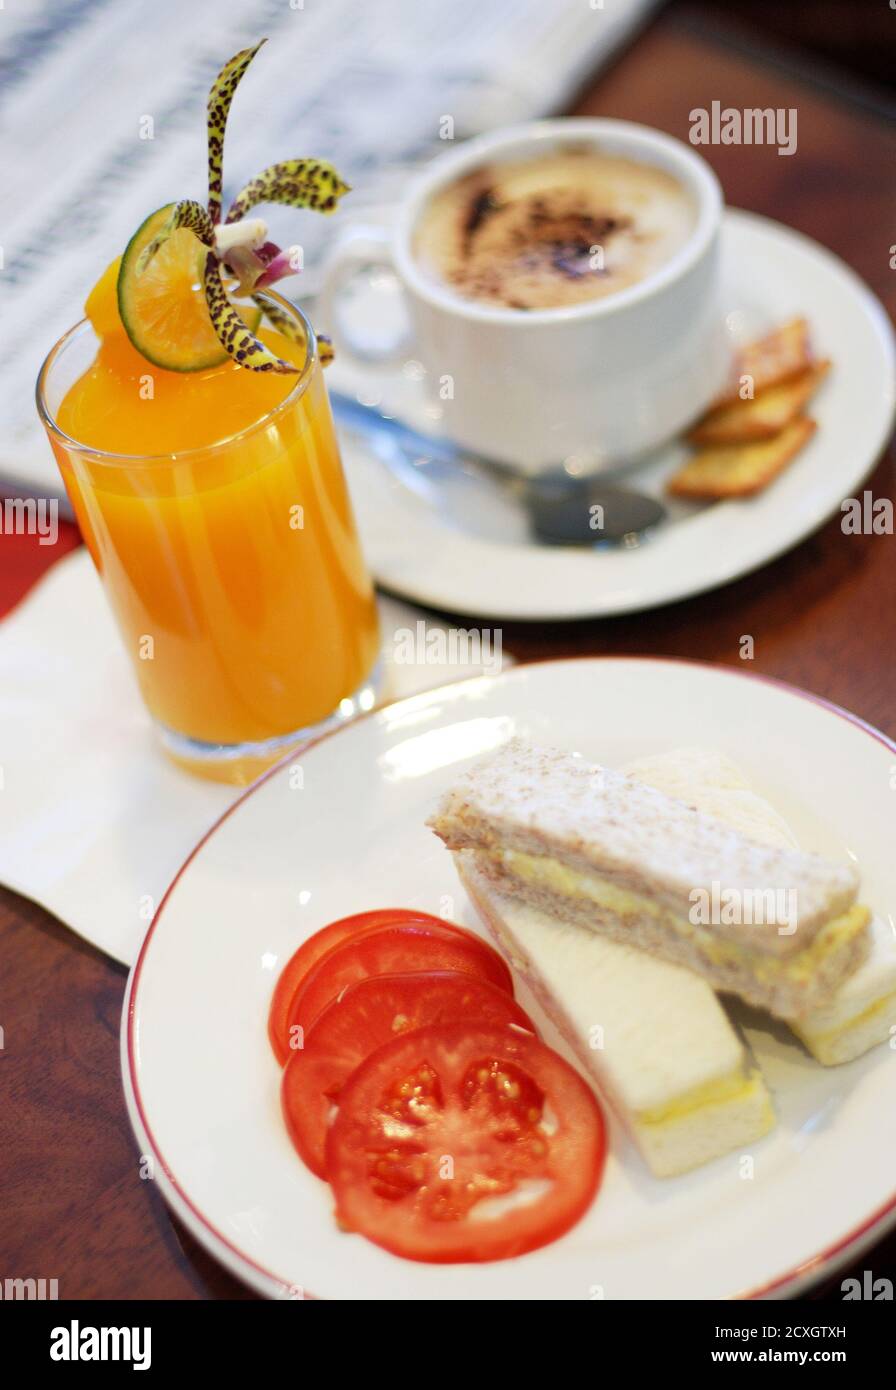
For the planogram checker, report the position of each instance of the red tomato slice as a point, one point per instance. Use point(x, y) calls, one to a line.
point(310, 952)
point(464, 1142)
point(368, 1014)
point(414, 946)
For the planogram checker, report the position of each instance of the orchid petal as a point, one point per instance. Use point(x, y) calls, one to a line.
point(219, 100)
point(234, 336)
point(296, 183)
point(287, 326)
point(283, 264)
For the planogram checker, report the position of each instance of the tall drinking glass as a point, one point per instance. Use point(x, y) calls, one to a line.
point(234, 570)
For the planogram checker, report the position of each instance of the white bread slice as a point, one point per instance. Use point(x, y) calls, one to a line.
point(710, 782)
point(651, 1036)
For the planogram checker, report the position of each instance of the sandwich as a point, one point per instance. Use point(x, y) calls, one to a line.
point(605, 851)
point(862, 1012)
point(652, 1037)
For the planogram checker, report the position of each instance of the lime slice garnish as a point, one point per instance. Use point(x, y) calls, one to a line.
point(164, 310)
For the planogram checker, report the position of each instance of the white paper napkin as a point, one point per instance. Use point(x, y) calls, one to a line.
point(94, 820)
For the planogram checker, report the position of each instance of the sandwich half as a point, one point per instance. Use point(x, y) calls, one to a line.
point(862, 1012)
point(605, 851)
point(651, 1036)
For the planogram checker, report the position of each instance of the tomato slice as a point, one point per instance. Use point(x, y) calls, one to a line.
point(413, 946)
point(368, 1014)
point(464, 1142)
point(310, 952)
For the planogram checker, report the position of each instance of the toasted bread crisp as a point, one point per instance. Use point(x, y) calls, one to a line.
point(739, 470)
point(780, 356)
point(766, 415)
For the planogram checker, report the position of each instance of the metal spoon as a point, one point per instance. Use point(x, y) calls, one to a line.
point(561, 510)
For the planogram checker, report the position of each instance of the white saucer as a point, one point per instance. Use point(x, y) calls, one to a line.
point(470, 552)
point(203, 1088)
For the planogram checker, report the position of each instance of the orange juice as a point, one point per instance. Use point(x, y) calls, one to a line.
point(216, 511)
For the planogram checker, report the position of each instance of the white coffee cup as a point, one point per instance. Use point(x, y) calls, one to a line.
point(587, 387)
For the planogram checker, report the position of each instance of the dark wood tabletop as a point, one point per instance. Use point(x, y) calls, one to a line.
point(72, 1203)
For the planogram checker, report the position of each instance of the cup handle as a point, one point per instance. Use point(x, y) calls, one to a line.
point(362, 252)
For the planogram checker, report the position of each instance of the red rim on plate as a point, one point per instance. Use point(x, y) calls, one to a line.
point(832, 1255)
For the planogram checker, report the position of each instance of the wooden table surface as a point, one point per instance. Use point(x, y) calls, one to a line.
point(72, 1203)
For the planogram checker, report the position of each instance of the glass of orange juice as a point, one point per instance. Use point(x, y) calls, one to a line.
point(216, 511)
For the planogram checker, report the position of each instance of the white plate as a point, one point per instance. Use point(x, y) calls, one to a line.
point(471, 554)
point(202, 1085)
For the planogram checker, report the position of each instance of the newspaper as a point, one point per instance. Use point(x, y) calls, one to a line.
point(102, 119)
